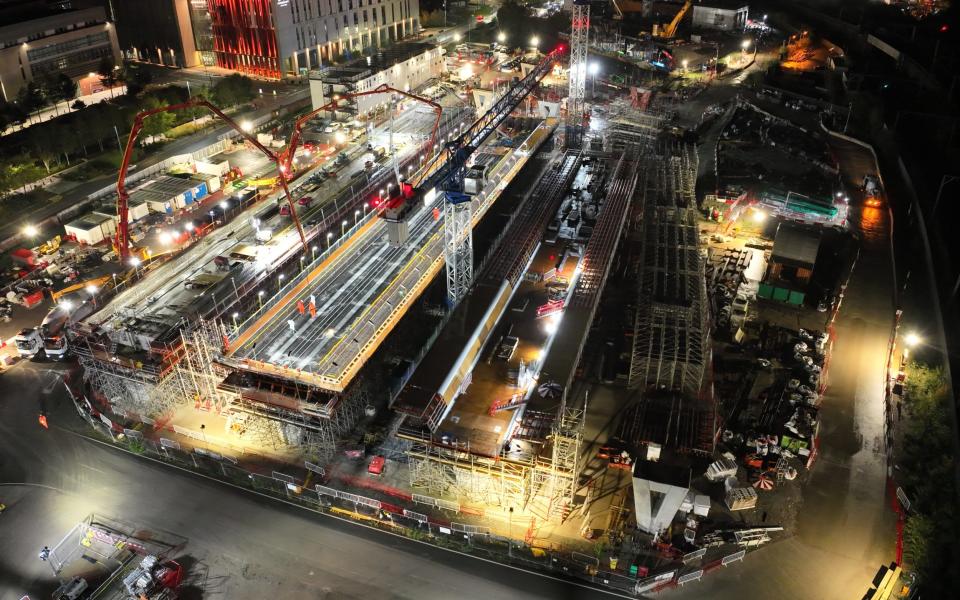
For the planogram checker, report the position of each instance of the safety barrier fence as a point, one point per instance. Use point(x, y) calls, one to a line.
point(476, 540)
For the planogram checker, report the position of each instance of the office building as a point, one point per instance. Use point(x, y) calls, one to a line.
point(403, 66)
point(282, 38)
point(164, 32)
point(36, 41)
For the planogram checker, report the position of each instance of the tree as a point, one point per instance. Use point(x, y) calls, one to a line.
point(30, 97)
point(108, 72)
point(231, 90)
point(78, 104)
point(66, 87)
point(43, 146)
point(158, 123)
point(137, 78)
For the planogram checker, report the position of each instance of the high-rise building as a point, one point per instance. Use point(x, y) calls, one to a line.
point(265, 38)
point(279, 38)
point(159, 31)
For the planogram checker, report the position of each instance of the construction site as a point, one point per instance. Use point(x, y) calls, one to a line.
point(318, 330)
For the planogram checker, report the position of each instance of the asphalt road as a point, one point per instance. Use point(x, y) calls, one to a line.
point(240, 546)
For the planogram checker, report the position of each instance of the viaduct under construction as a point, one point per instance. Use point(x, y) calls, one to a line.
point(490, 408)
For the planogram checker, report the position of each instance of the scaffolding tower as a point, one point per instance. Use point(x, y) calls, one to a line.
point(579, 40)
point(555, 479)
point(182, 373)
point(452, 470)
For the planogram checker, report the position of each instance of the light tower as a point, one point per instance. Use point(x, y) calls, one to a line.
point(579, 34)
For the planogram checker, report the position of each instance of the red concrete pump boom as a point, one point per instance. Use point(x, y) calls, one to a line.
point(123, 234)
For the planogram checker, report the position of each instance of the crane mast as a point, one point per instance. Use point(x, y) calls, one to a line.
point(579, 42)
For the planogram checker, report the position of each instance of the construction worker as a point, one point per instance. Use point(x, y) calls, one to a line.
point(44, 553)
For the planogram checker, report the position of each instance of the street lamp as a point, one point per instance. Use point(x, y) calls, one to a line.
point(30, 231)
point(246, 126)
point(235, 315)
point(329, 235)
point(280, 279)
point(356, 214)
point(501, 37)
point(535, 42)
point(313, 249)
point(260, 297)
point(457, 37)
point(92, 289)
point(594, 68)
point(343, 228)
point(685, 63)
point(912, 339)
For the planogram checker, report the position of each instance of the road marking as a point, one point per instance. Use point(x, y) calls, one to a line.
point(355, 523)
point(94, 469)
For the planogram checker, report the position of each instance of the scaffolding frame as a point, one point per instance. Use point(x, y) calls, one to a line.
point(452, 470)
point(670, 343)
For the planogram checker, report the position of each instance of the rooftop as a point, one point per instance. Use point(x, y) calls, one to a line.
point(796, 246)
point(364, 66)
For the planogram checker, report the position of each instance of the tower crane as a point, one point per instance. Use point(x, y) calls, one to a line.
point(447, 171)
point(579, 45)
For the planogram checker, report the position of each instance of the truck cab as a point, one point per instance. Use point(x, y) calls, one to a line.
point(28, 341)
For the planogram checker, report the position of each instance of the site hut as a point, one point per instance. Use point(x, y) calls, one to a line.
point(167, 194)
point(91, 228)
point(791, 263)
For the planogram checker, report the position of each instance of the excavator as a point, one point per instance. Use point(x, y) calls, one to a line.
point(670, 29)
point(622, 7)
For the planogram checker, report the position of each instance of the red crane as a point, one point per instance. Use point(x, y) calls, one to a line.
point(123, 234)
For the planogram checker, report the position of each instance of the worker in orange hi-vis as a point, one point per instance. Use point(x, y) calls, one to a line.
point(313, 310)
point(43, 421)
point(300, 308)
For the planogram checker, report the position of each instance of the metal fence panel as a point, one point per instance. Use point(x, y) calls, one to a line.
point(326, 491)
point(348, 497)
point(688, 577)
point(694, 555)
point(584, 559)
point(733, 557)
point(471, 529)
point(415, 515)
point(447, 505)
point(133, 433)
point(420, 499)
point(315, 468)
point(369, 502)
point(282, 477)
